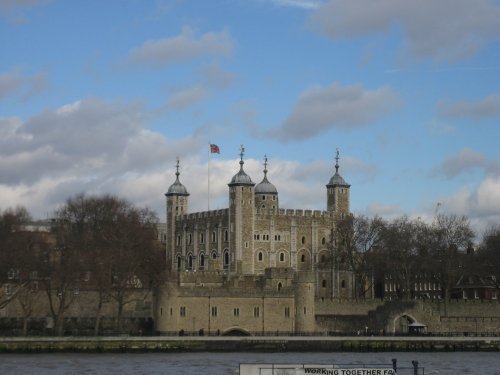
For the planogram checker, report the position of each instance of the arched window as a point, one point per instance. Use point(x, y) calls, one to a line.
point(323, 241)
point(226, 236)
point(226, 259)
point(202, 238)
point(282, 257)
point(260, 256)
point(280, 286)
point(303, 240)
point(202, 261)
point(190, 238)
point(323, 283)
point(303, 258)
point(214, 255)
point(343, 283)
point(178, 262)
point(214, 236)
point(190, 261)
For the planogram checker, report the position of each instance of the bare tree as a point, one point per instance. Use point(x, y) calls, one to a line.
point(19, 248)
point(401, 241)
point(451, 236)
point(117, 250)
point(355, 240)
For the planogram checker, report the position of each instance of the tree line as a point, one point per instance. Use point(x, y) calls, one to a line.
point(404, 252)
point(99, 243)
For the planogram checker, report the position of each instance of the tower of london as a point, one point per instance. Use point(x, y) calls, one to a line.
point(253, 267)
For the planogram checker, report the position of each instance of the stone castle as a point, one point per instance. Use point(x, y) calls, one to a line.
point(252, 268)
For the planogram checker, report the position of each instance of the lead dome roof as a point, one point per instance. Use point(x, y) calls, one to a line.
point(177, 188)
point(265, 187)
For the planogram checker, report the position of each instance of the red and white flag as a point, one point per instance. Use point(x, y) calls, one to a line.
point(214, 149)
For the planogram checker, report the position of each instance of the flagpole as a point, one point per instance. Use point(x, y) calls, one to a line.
point(209, 152)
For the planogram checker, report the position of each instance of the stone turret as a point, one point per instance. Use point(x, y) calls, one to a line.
point(338, 193)
point(177, 205)
point(241, 219)
point(266, 195)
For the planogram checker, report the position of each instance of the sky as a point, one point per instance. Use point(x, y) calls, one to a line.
point(101, 97)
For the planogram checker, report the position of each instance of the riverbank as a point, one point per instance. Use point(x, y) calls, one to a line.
point(246, 344)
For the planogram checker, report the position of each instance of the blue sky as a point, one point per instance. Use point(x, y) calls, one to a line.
point(102, 96)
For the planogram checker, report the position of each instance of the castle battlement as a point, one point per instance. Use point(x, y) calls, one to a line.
point(294, 213)
point(204, 214)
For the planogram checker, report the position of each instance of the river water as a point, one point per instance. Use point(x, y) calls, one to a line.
point(228, 363)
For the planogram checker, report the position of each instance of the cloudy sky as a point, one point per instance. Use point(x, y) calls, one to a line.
point(102, 96)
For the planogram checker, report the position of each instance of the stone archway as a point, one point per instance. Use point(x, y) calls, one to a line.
point(400, 323)
point(236, 331)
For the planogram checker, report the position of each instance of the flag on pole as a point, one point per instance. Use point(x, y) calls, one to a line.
point(214, 149)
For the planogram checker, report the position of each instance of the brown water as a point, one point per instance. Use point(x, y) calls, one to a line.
point(228, 363)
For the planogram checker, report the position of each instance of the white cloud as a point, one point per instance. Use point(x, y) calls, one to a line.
point(184, 47)
point(303, 4)
point(7, 6)
point(212, 79)
point(464, 161)
point(488, 107)
point(481, 204)
point(185, 97)
point(86, 146)
point(386, 211)
point(322, 108)
point(443, 30)
point(14, 83)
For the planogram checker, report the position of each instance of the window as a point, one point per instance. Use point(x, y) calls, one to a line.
point(178, 240)
point(214, 255)
point(178, 262)
point(323, 284)
point(305, 310)
point(226, 236)
point(256, 311)
point(260, 256)
point(343, 284)
point(303, 240)
point(202, 238)
point(190, 239)
point(236, 311)
point(183, 311)
point(214, 236)
point(279, 286)
point(202, 261)
point(287, 312)
point(282, 257)
point(190, 262)
point(214, 310)
point(303, 258)
point(226, 259)
point(323, 241)
point(263, 197)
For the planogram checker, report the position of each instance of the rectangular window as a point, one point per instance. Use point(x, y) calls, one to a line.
point(256, 312)
point(287, 312)
point(236, 311)
point(183, 311)
point(214, 310)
